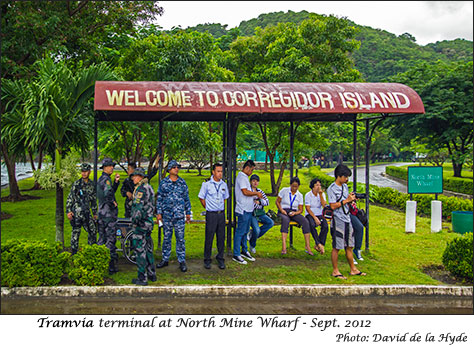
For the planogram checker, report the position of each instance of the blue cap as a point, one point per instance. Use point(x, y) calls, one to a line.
point(172, 164)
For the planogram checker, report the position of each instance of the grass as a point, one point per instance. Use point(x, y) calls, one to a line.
point(394, 257)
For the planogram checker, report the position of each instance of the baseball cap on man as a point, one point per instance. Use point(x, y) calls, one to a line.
point(107, 162)
point(139, 171)
point(172, 164)
point(85, 167)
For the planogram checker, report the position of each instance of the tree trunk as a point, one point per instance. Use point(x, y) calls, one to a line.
point(59, 214)
point(280, 176)
point(12, 182)
point(457, 169)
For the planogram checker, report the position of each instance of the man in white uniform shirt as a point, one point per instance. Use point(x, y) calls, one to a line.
point(212, 195)
point(244, 210)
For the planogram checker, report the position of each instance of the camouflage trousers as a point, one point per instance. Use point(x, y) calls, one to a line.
point(89, 227)
point(143, 247)
point(178, 225)
point(108, 235)
point(128, 208)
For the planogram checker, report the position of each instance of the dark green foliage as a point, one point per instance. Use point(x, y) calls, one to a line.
point(32, 263)
point(89, 265)
point(381, 54)
point(457, 257)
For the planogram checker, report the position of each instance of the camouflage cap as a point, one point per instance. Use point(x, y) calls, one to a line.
point(139, 171)
point(85, 167)
point(172, 164)
point(107, 162)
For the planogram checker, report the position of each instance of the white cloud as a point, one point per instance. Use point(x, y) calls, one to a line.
point(427, 21)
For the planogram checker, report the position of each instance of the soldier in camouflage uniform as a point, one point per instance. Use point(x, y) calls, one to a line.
point(79, 202)
point(172, 205)
point(127, 189)
point(142, 221)
point(108, 211)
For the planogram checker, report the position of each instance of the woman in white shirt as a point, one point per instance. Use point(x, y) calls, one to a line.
point(315, 200)
point(290, 208)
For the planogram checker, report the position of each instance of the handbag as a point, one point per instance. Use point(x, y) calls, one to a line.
point(328, 212)
point(359, 213)
point(362, 216)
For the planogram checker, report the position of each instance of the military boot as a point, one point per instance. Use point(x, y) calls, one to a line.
point(113, 267)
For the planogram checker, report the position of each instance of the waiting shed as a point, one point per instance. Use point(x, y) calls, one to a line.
point(233, 103)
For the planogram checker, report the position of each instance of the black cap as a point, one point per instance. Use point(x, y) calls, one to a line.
point(254, 177)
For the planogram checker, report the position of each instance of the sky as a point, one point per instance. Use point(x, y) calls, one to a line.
point(427, 21)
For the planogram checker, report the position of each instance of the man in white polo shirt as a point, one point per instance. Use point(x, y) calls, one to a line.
point(244, 210)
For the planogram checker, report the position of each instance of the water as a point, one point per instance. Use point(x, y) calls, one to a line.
point(23, 170)
point(406, 304)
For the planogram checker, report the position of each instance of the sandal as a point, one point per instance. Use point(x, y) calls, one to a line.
point(283, 251)
point(309, 252)
point(341, 276)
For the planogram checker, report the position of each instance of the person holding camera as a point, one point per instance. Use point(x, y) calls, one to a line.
point(341, 227)
point(315, 200)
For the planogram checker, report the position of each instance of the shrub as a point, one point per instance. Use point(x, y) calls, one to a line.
point(89, 265)
point(457, 257)
point(32, 263)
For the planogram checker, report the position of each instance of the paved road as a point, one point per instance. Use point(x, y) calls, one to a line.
point(376, 178)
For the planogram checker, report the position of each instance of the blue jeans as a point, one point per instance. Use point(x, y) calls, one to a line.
point(358, 232)
point(243, 227)
point(259, 231)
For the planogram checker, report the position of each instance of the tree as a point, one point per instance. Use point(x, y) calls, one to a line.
point(317, 50)
point(176, 56)
point(61, 113)
point(12, 134)
point(71, 29)
point(446, 90)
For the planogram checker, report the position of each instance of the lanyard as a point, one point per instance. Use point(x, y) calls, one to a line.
point(216, 187)
point(292, 200)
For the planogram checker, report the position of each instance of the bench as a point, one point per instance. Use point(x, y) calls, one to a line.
point(202, 221)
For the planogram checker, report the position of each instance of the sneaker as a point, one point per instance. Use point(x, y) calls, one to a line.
point(253, 250)
point(359, 255)
point(161, 264)
point(248, 256)
point(239, 260)
point(207, 266)
point(221, 265)
point(355, 261)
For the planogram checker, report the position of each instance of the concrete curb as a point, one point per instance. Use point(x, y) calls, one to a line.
point(461, 292)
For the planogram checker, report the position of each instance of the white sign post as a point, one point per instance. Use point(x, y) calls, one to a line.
point(410, 217)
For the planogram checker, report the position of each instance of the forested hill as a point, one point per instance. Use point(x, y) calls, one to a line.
point(381, 54)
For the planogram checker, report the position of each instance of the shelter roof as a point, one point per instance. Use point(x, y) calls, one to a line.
point(212, 101)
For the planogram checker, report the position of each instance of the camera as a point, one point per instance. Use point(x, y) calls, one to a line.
point(360, 195)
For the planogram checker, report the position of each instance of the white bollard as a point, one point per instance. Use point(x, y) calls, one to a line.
point(436, 216)
point(410, 217)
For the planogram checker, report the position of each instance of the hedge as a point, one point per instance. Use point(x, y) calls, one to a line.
point(32, 263)
point(392, 197)
point(38, 263)
point(457, 257)
point(454, 184)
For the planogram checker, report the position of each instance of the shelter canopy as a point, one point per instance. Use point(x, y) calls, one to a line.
point(211, 101)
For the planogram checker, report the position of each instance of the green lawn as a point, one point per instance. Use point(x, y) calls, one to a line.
point(394, 257)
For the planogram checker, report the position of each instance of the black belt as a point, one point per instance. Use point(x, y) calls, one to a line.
point(217, 212)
